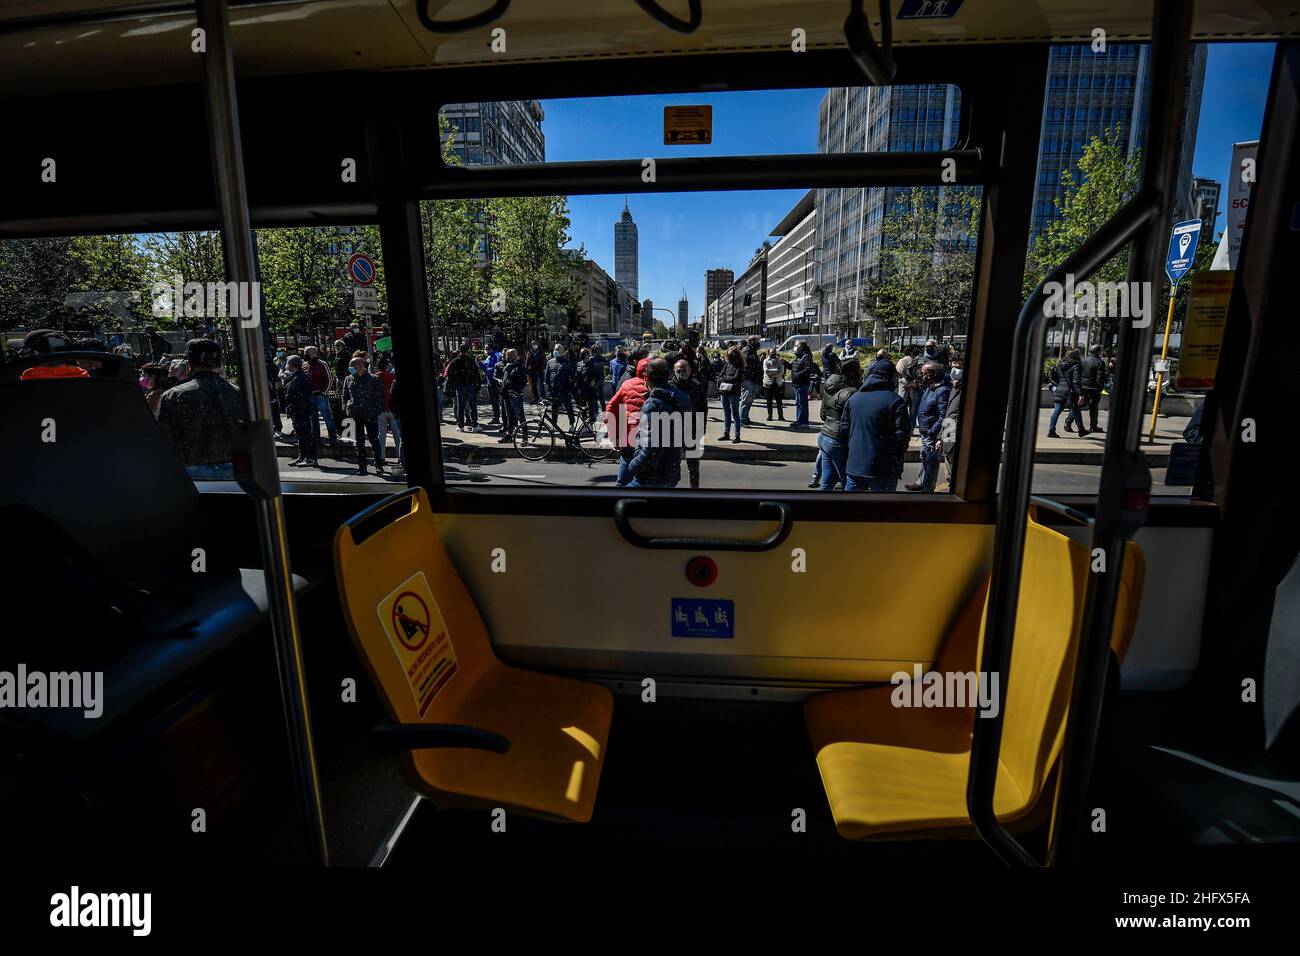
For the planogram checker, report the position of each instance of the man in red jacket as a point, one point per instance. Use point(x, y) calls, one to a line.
point(623, 415)
point(318, 373)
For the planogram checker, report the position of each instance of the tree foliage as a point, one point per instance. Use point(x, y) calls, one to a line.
point(527, 236)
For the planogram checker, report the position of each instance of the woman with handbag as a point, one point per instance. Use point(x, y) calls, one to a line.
point(733, 373)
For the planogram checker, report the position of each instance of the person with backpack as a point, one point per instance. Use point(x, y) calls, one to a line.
point(1064, 379)
point(832, 444)
point(463, 379)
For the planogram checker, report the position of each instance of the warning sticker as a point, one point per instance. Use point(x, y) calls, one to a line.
point(410, 618)
point(688, 124)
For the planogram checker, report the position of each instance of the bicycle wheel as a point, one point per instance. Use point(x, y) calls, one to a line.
point(533, 439)
point(594, 442)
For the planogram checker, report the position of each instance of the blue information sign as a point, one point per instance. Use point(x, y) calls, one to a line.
point(1182, 248)
point(695, 617)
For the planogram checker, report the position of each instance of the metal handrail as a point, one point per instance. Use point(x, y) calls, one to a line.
point(1136, 220)
point(258, 473)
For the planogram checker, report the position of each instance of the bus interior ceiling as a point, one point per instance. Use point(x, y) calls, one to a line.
point(722, 756)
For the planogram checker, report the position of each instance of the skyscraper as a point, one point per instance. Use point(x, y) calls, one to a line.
point(683, 311)
point(716, 282)
point(626, 251)
point(1089, 93)
point(647, 315)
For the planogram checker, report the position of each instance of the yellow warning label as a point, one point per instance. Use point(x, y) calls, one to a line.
point(1207, 312)
point(688, 124)
point(410, 618)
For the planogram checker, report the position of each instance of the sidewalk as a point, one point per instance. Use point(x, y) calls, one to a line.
point(776, 441)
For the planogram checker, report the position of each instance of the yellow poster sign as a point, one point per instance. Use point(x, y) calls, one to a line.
point(688, 125)
point(1207, 312)
point(415, 628)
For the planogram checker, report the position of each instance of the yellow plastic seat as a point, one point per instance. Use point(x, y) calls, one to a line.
point(895, 772)
point(427, 650)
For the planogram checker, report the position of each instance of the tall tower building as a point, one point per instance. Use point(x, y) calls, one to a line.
point(647, 315)
point(683, 311)
point(626, 246)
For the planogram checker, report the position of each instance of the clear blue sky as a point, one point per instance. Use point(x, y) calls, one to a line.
point(683, 234)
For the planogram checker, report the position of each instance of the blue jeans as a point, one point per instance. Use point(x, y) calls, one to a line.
point(320, 407)
point(214, 472)
point(930, 459)
point(1075, 416)
point(730, 412)
point(748, 392)
point(466, 406)
point(862, 483)
point(801, 404)
point(834, 455)
point(386, 421)
point(625, 455)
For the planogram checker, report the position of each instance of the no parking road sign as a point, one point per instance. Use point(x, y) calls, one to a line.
point(361, 269)
point(1182, 249)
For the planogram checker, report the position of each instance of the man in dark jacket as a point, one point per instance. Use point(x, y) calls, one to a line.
point(319, 375)
point(355, 340)
point(752, 383)
point(514, 380)
point(463, 377)
point(830, 361)
point(1092, 375)
point(535, 365)
point(363, 400)
point(875, 421)
point(200, 416)
point(832, 447)
point(559, 385)
point(657, 462)
point(686, 380)
point(803, 370)
point(298, 402)
point(1066, 381)
point(929, 422)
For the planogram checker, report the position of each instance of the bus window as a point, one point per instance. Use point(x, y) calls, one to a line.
point(162, 300)
point(1089, 163)
point(752, 324)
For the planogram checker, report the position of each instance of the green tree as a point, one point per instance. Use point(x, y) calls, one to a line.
point(530, 267)
point(455, 233)
point(1108, 176)
point(927, 259)
point(304, 276)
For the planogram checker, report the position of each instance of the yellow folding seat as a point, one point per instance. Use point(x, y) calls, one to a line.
point(896, 772)
point(426, 648)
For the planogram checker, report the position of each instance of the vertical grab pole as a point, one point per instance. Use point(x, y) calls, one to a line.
point(255, 461)
point(1125, 476)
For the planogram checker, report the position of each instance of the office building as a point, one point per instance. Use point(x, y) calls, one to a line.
point(604, 306)
point(497, 134)
point(791, 305)
point(716, 282)
point(648, 315)
point(1203, 204)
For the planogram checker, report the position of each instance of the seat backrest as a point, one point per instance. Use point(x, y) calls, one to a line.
point(415, 625)
point(108, 478)
point(1053, 583)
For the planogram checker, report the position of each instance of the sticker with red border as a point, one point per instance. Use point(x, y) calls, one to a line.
point(409, 616)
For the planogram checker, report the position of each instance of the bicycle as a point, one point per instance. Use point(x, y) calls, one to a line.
point(534, 438)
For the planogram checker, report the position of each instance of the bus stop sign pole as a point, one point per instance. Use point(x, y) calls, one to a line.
point(1182, 253)
point(255, 462)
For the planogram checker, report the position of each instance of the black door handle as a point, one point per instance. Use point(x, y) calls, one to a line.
point(774, 509)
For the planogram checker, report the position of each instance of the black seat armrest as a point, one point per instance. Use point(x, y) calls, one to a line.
point(392, 738)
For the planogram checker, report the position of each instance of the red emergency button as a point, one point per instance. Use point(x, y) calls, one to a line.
point(701, 571)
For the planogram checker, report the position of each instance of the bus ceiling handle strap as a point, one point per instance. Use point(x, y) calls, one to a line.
point(876, 60)
point(494, 12)
point(663, 17)
point(775, 509)
point(363, 519)
point(394, 738)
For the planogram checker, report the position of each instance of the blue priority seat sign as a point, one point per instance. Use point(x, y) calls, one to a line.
point(696, 617)
point(1182, 248)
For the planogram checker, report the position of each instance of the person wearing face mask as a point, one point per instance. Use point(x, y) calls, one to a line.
point(363, 401)
point(685, 379)
point(559, 385)
point(952, 418)
point(929, 422)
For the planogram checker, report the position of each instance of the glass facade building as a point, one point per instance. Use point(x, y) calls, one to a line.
point(497, 134)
